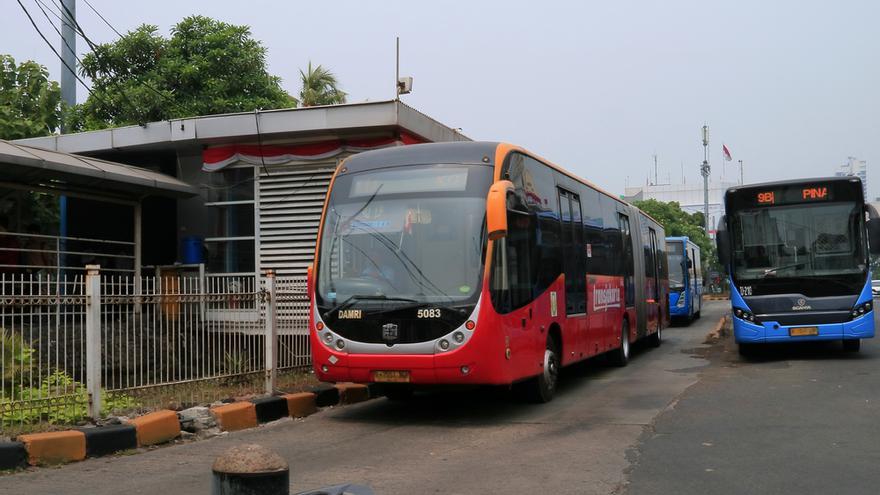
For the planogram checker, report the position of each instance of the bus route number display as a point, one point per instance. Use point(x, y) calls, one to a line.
point(799, 194)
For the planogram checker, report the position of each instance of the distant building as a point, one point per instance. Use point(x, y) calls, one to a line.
point(688, 196)
point(856, 168)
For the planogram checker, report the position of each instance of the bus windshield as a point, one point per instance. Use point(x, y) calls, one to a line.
point(675, 254)
point(412, 234)
point(806, 240)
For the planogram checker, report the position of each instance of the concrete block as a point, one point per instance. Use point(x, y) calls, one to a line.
point(270, 408)
point(235, 416)
point(325, 395)
point(54, 447)
point(156, 427)
point(351, 393)
point(12, 455)
point(301, 404)
point(105, 440)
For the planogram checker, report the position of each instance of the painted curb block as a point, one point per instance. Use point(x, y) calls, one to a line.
point(301, 404)
point(105, 440)
point(351, 393)
point(326, 395)
point(54, 447)
point(12, 455)
point(235, 416)
point(270, 408)
point(156, 427)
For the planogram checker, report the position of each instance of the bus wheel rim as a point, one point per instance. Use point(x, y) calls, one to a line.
point(551, 369)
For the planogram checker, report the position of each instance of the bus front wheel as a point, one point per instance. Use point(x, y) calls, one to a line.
point(541, 388)
point(852, 345)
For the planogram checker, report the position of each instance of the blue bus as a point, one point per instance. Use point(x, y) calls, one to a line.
point(685, 279)
point(797, 255)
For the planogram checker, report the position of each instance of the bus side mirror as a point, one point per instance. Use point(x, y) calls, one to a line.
point(874, 235)
point(496, 209)
point(690, 263)
point(722, 242)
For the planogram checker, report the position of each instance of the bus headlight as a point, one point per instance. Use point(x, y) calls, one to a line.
point(745, 315)
point(862, 309)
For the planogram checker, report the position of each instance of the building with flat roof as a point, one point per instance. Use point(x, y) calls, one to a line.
point(856, 168)
point(260, 177)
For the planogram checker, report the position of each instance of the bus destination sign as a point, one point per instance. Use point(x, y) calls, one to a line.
point(788, 195)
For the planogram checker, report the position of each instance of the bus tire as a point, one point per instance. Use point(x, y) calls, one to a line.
point(620, 356)
point(852, 345)
point(656, 338)
point(541, 388)
point(746, 350)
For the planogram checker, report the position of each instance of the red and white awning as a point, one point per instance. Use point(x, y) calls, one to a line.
point(219, 157)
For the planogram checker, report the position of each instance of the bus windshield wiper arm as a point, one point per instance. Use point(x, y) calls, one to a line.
point(777, 268)
point(367, 297)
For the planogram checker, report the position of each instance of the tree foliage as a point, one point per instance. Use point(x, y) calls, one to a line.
point(205, 67)
point(677, 222)
point(30, 104)
point(320, 87)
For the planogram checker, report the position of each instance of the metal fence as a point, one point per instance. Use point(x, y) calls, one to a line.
point(88, 345)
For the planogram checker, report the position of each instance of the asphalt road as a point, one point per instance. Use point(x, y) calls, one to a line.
point(684, 418)
point(798, 419)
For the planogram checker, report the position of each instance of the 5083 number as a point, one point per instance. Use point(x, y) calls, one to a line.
point(428, 313)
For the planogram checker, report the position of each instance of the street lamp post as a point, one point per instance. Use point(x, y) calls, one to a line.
point(704, 171)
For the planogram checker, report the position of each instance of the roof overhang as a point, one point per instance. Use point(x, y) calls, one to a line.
point(285, 125)
point(66, 173)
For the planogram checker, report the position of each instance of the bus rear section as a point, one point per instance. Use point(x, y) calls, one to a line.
point(685, 279)
point(797, 257)
point(477, 263)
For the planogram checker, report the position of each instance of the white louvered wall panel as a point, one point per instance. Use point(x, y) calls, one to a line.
point(291, 198)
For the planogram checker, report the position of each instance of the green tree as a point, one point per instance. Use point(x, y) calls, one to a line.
point(205, 67)
point(320, 87)
point(677, 222)
point(30, 104)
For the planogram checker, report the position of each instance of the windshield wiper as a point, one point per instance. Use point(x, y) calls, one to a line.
point(783, 267)
point(367, 297)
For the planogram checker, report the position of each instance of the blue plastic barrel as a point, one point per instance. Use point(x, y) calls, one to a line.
point(193, 250)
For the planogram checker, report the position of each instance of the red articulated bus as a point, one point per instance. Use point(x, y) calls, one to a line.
point(477, 263)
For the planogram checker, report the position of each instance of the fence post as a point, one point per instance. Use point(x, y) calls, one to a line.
point(93, 339)
point(271, 332)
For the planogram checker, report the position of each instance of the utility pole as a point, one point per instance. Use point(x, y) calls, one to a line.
point(68, 55)
point(741, 173)
point(68, 94)
point(656, 179)
point(704, 171)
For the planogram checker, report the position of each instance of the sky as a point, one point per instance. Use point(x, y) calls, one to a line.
point(791, 87)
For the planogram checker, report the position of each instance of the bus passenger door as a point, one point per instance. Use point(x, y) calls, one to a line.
point(573, 248)
point(652, 276)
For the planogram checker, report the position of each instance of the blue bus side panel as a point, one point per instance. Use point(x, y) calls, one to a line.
point(770, 331)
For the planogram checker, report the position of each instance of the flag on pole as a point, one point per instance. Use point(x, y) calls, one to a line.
point(727, 156)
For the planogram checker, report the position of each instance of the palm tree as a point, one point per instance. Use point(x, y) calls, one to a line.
point(319, 87)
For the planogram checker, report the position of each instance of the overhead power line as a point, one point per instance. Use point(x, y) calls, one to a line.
point(51, 47)
point(103, 19)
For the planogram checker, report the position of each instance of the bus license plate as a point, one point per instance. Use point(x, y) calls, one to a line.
point(803, 331)
point(391, 376)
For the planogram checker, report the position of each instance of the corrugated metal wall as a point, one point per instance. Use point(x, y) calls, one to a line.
point(290, 201)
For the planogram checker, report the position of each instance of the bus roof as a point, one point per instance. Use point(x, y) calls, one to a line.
point(473, 152)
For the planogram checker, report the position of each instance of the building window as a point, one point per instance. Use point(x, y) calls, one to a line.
point(230, 247)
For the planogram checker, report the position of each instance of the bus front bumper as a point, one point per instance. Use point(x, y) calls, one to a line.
point(769, 332)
